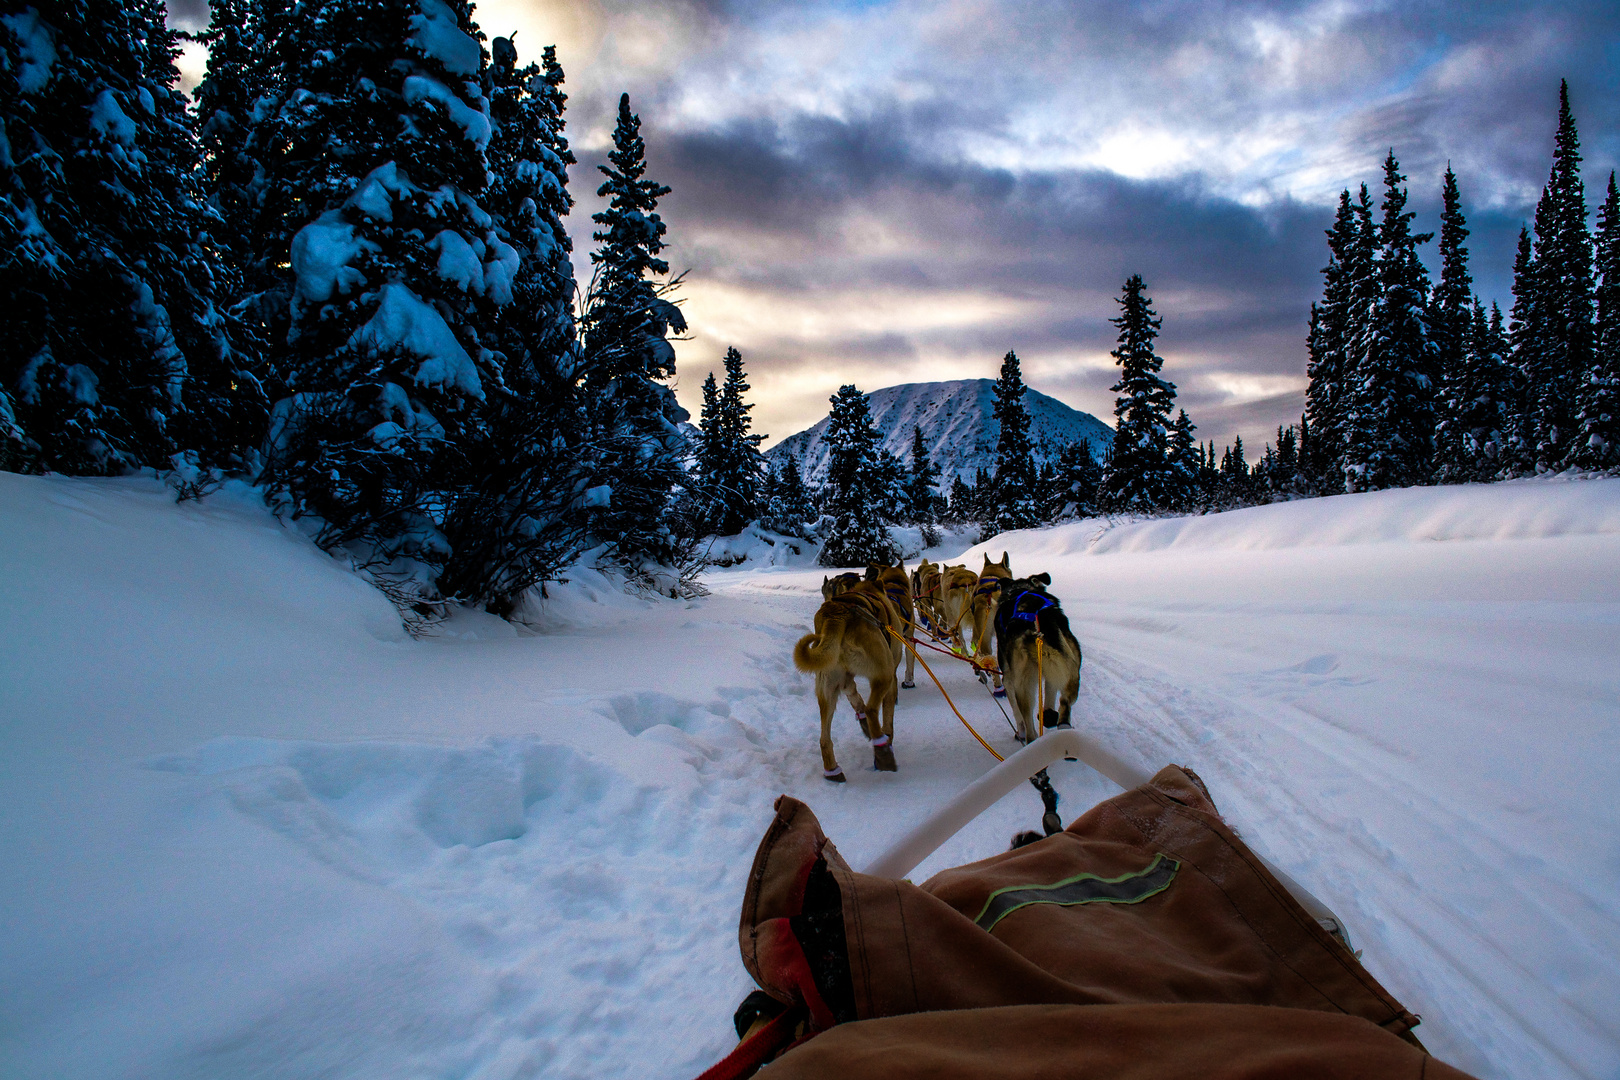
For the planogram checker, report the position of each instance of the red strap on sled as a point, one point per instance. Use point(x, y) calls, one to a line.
point(758, 1048)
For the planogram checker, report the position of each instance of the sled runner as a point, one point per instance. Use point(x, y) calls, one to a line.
point(1144, 940)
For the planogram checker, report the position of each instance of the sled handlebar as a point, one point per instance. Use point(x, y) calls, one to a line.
point(922, 841)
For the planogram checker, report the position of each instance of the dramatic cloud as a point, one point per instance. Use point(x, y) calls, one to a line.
point(881, 191)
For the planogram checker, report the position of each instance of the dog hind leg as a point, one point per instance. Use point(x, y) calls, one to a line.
point(827, 697)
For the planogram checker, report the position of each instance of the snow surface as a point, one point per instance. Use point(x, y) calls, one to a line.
point(958, 425)
point(250, 828)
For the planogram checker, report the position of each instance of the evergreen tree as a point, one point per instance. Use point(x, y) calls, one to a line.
point(1080, 478)
point(389, 377)
point(631, 411)
point(115, 352)
point(1561, 356)
point(1599, 440)
point(1139, 477)
point(1184, 462)
point(923, 503)
point(856, 485)
point(732, 471)
point(961, 501)
point(1524, 332)
point(1390, 415)
point(516, 517)
point(1474, 437)
point(1237, 483)
point(1014, 489)
point(1451, 304)
point(1330, 367)
point(237, 77)
point(791, 505)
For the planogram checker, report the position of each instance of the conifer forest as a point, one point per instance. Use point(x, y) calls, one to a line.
point(343, 271)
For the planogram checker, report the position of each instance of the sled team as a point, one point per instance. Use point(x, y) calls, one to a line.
point(868, 624)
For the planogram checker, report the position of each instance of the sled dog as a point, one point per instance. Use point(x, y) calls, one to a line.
point(832, 586)
point(1025, 613)
point(956, 602)
point(892, 580)
point(852, 638)
point(926, 581)
point(991, 579)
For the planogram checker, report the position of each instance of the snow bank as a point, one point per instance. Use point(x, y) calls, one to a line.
point(1528, 509)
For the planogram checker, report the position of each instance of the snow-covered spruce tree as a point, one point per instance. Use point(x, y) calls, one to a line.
point(1598, 444)
point(856, 485)
point(1524, 334)
point(1081, 477)
point(114, 353)
point(737, 462)
point(1182, 452)
point(702, 504)
point(1139, 477)
point(1451, 310)
point(632, 415)
point(1014, 490)
point(1554, 348)
point(516, 517)
point(958, 505)
point(792, 505)
point(923, 504)
point(388, 377)
point(1479, 406)
point(1327, 344)
point(1390, 417)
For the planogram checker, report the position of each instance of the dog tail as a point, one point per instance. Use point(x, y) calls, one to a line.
point(819, 651)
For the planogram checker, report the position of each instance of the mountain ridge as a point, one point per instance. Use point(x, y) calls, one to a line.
point(959, 428)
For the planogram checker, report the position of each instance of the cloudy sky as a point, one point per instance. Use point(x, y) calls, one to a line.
point(887, 191)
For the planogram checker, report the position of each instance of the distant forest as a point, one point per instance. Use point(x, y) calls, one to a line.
point(341, 273)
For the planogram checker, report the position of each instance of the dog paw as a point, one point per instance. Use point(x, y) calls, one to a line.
point(1000, 692)
point(835, 776)
point(908, 685)
point(883, 759)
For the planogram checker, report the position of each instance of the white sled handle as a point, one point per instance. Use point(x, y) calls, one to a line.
point(922, 841)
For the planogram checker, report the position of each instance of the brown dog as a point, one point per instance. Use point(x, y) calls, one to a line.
point(985, 594)
point(832, 586)
point(852, 638)
point(1037, 652)
point(956, 603)
point(926, 583)
point(892, 580)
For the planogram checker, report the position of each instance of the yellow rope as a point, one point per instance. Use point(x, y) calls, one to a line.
point(1040, 682)
point(947, 697)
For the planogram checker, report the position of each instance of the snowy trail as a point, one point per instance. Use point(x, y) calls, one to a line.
point(250, 828)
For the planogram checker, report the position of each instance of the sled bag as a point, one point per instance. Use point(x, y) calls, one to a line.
point(1143, 940)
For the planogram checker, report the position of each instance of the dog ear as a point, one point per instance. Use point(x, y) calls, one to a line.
point(1004, 561)
point(1044, 579)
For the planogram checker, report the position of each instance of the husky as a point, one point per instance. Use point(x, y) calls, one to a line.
point(852, 638)
point(832, 586)
point(1027, 613)
point(892, 580)
point(956, 603)
point(991, 580)
point(926, 582)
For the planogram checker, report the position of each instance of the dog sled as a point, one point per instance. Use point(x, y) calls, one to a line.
point(1145, 940)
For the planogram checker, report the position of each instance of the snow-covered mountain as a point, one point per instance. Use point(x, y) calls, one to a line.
point(958, 425)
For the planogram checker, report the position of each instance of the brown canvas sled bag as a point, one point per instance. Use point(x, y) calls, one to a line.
point(1145, 940)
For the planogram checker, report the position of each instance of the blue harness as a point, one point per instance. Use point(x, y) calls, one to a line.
point(1010, 610)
